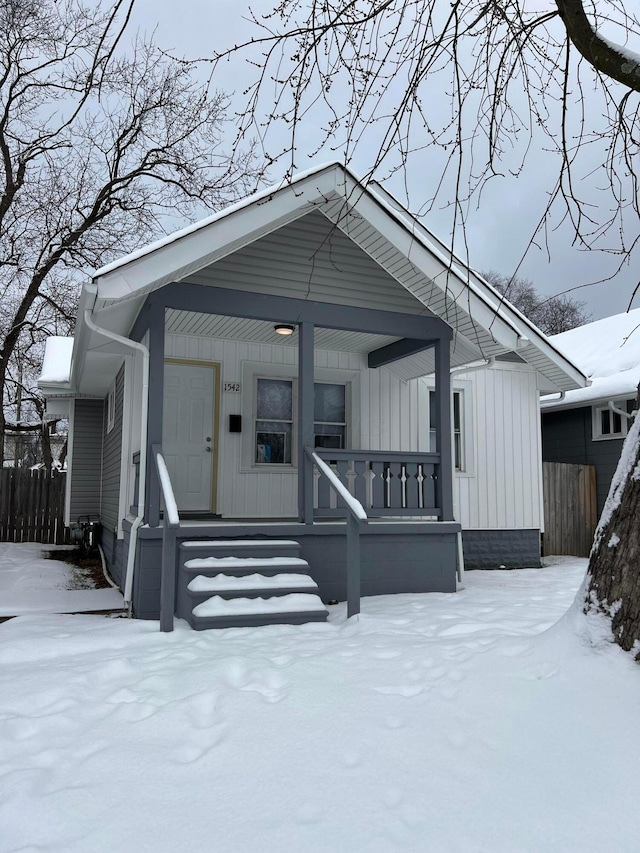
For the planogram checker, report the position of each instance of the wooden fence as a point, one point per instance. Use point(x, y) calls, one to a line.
point(32, 506)
point(570, 513)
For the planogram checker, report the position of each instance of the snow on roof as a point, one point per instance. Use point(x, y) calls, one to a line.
point(608, 351)
point(56, 364)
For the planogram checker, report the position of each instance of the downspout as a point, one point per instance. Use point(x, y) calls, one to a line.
point(485, 366)
point(142, 472)
point(621, 412)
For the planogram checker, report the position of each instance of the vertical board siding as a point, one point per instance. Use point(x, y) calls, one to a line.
point(111, 467)
point(86, 469)
point(502, 491)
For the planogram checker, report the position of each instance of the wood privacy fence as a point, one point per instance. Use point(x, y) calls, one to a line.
point(570, 513)
point(32, 506)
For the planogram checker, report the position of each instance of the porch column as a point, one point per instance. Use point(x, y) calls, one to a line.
point(305, 421)
point(154, 426)
point(443, 429)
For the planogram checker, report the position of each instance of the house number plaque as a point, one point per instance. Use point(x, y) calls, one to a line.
point(233, 387)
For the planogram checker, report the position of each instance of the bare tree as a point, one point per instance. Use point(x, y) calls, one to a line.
point(553, 314)
point(366, 70)
point(100, 141)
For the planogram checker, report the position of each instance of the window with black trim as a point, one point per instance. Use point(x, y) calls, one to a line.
point(458, 427)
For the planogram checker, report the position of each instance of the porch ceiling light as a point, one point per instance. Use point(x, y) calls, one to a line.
point(284, 329)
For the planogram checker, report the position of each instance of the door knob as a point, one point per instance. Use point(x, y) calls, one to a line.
point(208, 449)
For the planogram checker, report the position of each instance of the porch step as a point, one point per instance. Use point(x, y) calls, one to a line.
point(249, 586)
point(246, 582)
point(291, 609)
point(240, 548)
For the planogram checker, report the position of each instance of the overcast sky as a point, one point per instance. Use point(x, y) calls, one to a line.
point(498, 234)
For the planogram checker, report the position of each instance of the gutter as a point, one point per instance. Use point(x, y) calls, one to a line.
point(137, 522)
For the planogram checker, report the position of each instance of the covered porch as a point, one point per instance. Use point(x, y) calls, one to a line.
point(368, 521)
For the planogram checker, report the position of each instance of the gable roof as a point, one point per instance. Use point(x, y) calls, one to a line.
point(484, 324)
point(608, 351)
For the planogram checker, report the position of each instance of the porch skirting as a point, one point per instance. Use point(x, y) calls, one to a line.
point(397, 557)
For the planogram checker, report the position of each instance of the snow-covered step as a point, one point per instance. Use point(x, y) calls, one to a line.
point(239, 548)
point(250, 586)
point(246, 565)
point(292, 609)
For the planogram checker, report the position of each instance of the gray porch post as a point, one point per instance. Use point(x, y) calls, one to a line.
point(443, 429)
point(305, 421)
point(154, 427)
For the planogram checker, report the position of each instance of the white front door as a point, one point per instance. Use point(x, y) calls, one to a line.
point(188, 439)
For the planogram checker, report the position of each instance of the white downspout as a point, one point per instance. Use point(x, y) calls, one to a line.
point(621, 412)
point(142, 470)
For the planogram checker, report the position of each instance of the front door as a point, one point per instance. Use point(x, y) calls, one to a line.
point(188, 436)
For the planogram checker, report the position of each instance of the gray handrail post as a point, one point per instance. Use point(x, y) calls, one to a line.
point(355, 516)
point(353, 566)
point(170, 526)
point(168, 577)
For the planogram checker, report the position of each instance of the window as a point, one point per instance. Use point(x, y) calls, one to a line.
point(111, 407)
point(330, 415)
point(608, 424)
point(275, 431)
point(274, 421)
point(458, 434)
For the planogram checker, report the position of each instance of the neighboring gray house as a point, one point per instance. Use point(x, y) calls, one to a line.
point(587, 426)
point(311, 339)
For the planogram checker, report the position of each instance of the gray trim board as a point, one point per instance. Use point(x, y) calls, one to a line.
point(185, 296)
point(395, 351)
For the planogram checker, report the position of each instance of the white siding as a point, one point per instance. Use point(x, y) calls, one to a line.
point(501, 491)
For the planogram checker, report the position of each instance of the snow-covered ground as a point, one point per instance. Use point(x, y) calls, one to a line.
point(31, 584)
point(433, 723)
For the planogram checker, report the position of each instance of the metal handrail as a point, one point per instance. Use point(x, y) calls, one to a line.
point(356, 516)
point(170, 524)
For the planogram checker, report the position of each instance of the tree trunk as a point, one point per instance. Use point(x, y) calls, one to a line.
point(613, 579)
point(47, 456)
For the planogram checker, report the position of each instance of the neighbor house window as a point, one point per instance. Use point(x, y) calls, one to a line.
point(111, 408)
point(458, 433)
point(608, 424)
point(275, 424)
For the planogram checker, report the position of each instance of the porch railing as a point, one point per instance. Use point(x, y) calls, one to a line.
point(170, 526)
point(356, 516)
point(386, 483)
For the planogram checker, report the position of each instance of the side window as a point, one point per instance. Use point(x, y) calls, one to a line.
point(273, 421)
point(458, 428)
point(111, 407)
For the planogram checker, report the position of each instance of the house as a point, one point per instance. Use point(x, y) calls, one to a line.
point(308, 354)
point(588, 425)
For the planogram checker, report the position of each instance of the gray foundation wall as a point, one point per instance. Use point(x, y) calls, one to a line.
point(493, 549)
